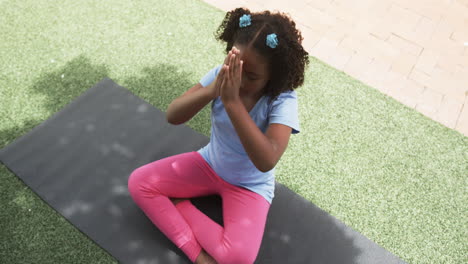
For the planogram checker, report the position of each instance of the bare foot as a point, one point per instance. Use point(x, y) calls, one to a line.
point(175, 201)
point(204, 258)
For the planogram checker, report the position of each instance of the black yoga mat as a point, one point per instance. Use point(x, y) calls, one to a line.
point(79, 161)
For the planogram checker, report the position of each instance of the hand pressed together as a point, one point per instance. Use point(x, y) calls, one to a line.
point(232, 77)
point(227, 83)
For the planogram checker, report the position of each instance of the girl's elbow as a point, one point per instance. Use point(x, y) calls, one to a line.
point(266, 169)
point(169, 115)
point(171, 120)
point(266, 166)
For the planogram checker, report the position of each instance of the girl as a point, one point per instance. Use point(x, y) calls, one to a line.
point(254, 112)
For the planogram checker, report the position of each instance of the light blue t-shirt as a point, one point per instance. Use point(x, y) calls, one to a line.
point(225, 152)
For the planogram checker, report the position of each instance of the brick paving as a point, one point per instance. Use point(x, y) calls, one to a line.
point(414, 51)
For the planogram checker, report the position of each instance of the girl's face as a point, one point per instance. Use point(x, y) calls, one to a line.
point(255, 74)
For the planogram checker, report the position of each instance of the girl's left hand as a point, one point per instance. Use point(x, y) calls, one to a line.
point(232, 77)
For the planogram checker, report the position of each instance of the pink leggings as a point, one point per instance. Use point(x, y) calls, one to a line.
point(189, 175)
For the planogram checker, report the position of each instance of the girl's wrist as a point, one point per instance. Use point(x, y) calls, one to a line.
point(232, 103)
point(211, 90)
point(208, 92)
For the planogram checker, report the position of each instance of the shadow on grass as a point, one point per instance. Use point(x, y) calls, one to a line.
point(158, 85)
point(284, 235)
point(59, 88)
point(162, 83)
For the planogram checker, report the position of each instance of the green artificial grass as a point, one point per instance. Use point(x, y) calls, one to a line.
point(384, 169)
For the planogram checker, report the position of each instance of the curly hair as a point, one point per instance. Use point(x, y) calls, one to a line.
point(287, 61)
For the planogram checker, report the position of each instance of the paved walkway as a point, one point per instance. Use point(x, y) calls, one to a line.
point(415, 51)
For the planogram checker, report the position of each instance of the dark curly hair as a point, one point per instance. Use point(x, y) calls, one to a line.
point(287, 61)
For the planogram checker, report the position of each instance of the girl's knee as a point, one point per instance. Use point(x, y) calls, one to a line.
point(134, 180)
point(138, 181)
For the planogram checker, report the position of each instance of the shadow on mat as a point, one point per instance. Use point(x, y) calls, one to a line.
point(285, 240)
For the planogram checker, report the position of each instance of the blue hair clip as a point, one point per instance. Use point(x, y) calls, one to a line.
point(272, 40)
point(245, 21)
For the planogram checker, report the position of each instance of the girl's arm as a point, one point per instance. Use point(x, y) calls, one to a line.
point(264, 150)
point(186, 106)
point(183, 108)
